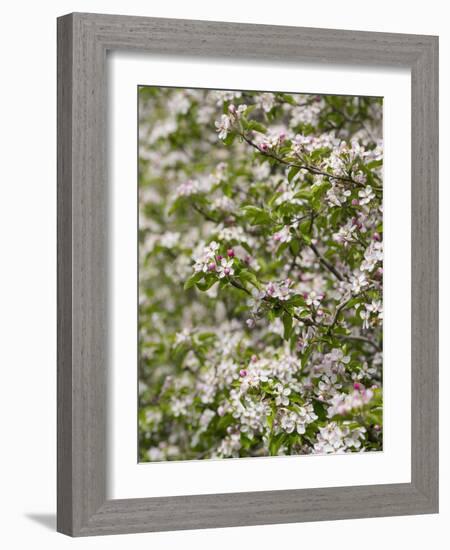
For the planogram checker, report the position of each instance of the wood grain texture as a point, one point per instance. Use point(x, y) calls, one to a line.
point(83, 40)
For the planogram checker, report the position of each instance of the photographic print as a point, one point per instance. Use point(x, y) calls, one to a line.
point(260, 274)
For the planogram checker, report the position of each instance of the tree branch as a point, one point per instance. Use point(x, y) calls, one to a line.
point(326, 263)
point(362, 339)
point(311, 169)
point(206, 215)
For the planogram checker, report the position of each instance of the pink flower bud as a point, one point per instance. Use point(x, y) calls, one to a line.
point(243, 373)
point(226, 271)
point(264, 147)
point(212, 267)
point(376, 236)
point(219, 257)
point(230, 253)
point(232, 109)
point(254, 358)
point(357, 386)
point(355, 202)
point(377, 428)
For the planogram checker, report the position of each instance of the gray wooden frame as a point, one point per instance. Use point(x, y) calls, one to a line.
point(83, 40)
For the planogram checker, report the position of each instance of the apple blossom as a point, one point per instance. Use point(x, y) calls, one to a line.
point(260, 274)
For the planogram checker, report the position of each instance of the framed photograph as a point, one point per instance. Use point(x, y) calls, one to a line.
point(247, 274)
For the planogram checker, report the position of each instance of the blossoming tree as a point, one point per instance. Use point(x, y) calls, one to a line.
point(260, 274)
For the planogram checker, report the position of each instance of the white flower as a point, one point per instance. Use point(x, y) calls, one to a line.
point(372, 255)
point(223, 126)
point(251, 323)
point(375, 307)
point(298, 419)
point(327, 387)
point(224, 203)
point(169, 239)
point(222, 96)
point(366, 195)
point(155, 454)
point(235, 233)
point(302, 143)
point(343, 403)
point(313, 299)
point(225, 268)
point(334, 438)
point(337, 196)
point(190, 187)
point(353, 439)
point(212, 248)
point(358, 283)
point(365, 316)
point(262, 171)
point(360, 177)
point(288, 422)
point(282, 394)
point(345, 233)
point(266, 101)
point(179, 103)
point(206, 258)
point(182, 337)
point(281, 290)
point(230, 445)
point(235, 113)
point(283, 236)
point(329, 439)
point(206, 418)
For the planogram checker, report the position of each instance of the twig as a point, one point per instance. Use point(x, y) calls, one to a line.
point(307, 167)
point(204, 214)
point(234, 283)
point(326, 263)
point(361, 339)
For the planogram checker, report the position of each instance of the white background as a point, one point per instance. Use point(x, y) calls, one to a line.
point(127, 479)
point(28, 272)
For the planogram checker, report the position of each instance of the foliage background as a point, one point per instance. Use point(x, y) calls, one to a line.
point(260, 252)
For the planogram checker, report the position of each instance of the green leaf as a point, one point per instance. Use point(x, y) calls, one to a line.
point(374, 164)
point(295, 246)
point(249, 277)
point(292, 173)
point(287, 98)
point(229, 139)
point(193, 280)
point(256, 126)
point(276, 442)
point(282, 248)
point(207, 284)
point(303, 194)
point(296, 301)
point(320, 410)
point(255, 215)
point(287, 323)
